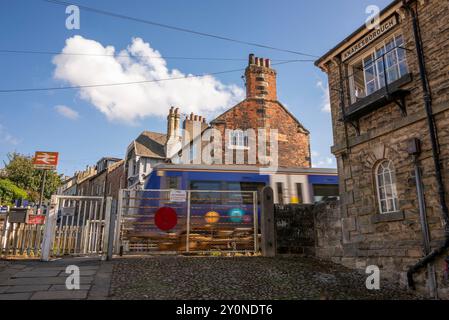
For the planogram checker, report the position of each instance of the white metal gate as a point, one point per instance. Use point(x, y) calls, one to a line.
point(205, 221)
point(77, 225)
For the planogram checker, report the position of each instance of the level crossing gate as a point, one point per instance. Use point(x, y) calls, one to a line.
point(186, 221)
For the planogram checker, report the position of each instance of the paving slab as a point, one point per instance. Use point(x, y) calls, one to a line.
point(28, 288)
point(102, 283)
point(62, 287)
point(60, 295)
point(3, 289)
point(16, 296)
point(37, 273)
point(45, 280)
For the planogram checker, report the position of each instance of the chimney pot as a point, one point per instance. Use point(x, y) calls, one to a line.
point(251, 58)
point(196, 118)
point(191, 116)
point(177, 111)
point(267, 63)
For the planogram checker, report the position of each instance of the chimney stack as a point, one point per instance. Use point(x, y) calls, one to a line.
point(260, 79)
point(171, 122)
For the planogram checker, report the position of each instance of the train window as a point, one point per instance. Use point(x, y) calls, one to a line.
point(246, 197)
point(323, 192)
point(280, 193)
point(299, 192)
point(172, 182)
point(205, 185)
point(205, 197)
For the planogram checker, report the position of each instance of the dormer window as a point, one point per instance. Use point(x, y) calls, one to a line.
point(384, 63)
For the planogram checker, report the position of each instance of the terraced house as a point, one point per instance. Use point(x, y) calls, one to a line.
point(389, 92)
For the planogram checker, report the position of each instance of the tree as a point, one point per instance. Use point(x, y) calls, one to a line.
point(10, 192)
point(21, 172)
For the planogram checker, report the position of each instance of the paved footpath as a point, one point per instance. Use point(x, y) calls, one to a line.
point(36, 280)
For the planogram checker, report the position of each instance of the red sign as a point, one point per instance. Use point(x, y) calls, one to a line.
point(45, 160)
point(165, 218)
point(35, 219)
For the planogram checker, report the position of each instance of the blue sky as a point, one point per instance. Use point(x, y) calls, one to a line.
point(75, 125)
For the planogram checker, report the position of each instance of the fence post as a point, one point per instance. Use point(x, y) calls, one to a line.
point(52, 215)
point(4, 236)
point(109, 229)
point(189, 197)
point(118, 219)
point(268, 243)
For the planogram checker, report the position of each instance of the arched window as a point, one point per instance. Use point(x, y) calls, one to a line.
point(386, 187)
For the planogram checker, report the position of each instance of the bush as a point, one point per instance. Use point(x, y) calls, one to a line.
point(9, 192)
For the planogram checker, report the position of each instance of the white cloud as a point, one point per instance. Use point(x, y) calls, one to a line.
point(319, 161)
point(325, 100)
point(129, 103)
point(67, 112)
point(7, 138)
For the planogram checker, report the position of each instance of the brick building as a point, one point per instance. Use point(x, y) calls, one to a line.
point(239, 126)
point(389, 92)
point(260, 110)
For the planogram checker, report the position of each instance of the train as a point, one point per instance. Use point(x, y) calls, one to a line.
point(290, 185)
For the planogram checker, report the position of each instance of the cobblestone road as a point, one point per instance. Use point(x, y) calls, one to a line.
point(241, 278)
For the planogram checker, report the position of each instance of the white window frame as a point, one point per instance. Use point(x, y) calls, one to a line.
point(386, 187)
point(238, 139)
point(378, 76)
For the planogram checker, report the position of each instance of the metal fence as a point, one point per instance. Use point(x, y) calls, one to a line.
point(187, 221)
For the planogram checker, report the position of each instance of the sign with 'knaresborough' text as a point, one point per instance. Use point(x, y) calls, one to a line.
point(370, 37)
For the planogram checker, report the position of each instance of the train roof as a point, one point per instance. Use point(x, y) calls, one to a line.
point(244, 168)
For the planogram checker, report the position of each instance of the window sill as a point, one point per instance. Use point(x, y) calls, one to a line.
point(238, 148)
point(388, 217)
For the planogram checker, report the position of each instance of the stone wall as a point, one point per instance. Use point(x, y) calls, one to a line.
point(318, 230)
point(295, 229)
point(313, 230)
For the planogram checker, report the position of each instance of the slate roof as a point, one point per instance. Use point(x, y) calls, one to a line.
point(150, 144)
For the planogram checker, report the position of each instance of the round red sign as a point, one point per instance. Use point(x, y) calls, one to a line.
point(165, 218)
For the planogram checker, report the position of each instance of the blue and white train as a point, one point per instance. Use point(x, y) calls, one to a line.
point(290, 185)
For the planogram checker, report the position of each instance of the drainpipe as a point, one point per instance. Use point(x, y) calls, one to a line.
point(414, 149)
point(435, 149)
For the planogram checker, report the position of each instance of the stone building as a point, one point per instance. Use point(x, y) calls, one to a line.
point(103, 179)
point(389, 92)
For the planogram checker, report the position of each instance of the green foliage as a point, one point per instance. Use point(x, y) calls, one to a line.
point(10, 192)
point(21, 172)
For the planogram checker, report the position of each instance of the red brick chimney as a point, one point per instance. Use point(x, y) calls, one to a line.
point(260, 79)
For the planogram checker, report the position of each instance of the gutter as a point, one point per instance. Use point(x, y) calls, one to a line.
point(435, 149)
